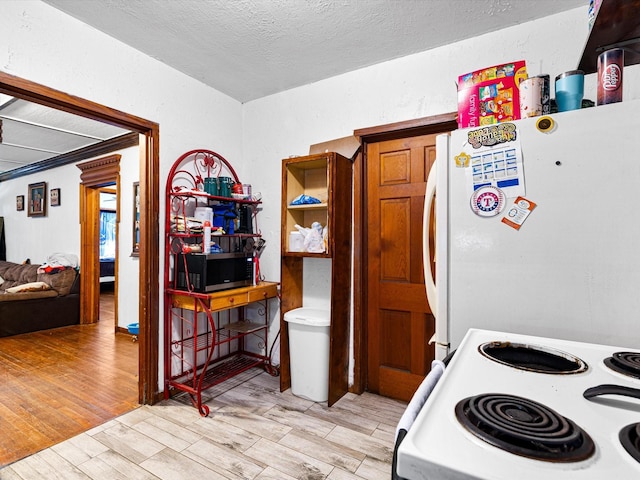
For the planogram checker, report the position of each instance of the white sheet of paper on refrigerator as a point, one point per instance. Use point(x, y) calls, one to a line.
point(572, 271)
point(492, 165)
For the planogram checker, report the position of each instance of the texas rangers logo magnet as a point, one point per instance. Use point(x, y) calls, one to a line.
point(488, 201)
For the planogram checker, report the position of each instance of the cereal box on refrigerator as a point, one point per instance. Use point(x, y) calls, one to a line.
point(490, 95)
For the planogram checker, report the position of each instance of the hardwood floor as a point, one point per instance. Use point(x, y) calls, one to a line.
point(61, 382)
point(253, 432)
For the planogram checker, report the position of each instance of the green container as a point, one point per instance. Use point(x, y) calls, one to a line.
point(224, 186)
point(211, 185)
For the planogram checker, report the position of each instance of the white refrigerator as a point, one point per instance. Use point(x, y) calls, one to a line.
point(572, 269)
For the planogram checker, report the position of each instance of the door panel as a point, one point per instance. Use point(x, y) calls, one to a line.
point(399, 320)
point(395, 239)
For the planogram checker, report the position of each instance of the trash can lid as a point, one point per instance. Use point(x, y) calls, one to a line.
point(316, 317)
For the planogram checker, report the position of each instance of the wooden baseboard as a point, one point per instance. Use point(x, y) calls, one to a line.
point(123, 330)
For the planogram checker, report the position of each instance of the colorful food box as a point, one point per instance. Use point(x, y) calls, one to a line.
point(490, 95)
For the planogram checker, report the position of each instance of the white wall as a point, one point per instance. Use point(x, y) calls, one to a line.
point(38, 237)
point(128, 266)
point(415, 86)
point(59, 230)
point(44, 45)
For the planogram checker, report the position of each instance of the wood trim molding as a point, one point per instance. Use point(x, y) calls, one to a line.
point(92, 151)
point(149, 286)
point(359, 279)
point(409, 128)
point(89, 255)
point(95, 174)
point(100, 172)
point(34, 92)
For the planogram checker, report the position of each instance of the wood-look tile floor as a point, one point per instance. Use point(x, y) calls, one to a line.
point(252, 432)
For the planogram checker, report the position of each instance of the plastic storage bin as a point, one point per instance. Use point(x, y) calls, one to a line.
point(309, 352)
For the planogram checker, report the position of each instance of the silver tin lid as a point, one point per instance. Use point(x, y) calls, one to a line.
point(570, 72)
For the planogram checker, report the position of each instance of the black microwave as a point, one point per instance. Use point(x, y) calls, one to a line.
point(215, 271)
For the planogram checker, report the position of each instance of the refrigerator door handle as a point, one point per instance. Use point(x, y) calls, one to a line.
point(434, 341)
point(429, 280)
point(437, 294)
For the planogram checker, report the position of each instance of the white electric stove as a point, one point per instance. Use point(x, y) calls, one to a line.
point(488, 419)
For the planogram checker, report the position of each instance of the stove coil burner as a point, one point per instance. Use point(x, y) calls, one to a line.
point(627, 363)
point(630, 439)
point(532, 358)
point(524, 427)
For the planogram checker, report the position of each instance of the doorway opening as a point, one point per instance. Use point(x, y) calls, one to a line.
point(108, 252)
point(148, 134)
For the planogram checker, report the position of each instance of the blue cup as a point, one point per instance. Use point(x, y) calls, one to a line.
point(569, 90)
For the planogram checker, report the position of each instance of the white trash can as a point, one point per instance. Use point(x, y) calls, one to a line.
point(309, 352)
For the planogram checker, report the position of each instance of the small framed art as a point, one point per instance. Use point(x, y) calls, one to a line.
point(55, 197)
point(20, 203)
point(37, 198)
point(136, 220)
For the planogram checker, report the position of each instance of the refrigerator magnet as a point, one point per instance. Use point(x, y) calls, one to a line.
point(518, 213)
point(545, 124)
point(487, 201)
point(462, 160)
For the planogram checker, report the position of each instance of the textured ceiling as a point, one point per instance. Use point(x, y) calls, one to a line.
point(249, 49)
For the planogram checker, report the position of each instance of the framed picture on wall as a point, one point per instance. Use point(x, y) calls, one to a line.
point(20, 203)
point(55, 197)
point(136, 220)
point(37, 200)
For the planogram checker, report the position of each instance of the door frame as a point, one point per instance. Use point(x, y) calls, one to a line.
point(411, 128)
point(96, 174)
point(149, 165)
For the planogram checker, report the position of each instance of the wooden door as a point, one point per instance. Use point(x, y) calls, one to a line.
point(399, 321)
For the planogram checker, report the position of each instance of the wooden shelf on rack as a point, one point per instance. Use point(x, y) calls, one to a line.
point(225, 299)
point(244, 327)
point(306, 254)
point(308, 206)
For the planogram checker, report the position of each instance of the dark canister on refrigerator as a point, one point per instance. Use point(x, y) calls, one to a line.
point(545, 81)
point(610, 67)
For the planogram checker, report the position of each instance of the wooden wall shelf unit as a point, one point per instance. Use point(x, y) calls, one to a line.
point(209, 336)
point(327, 177)
point(617, 25)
